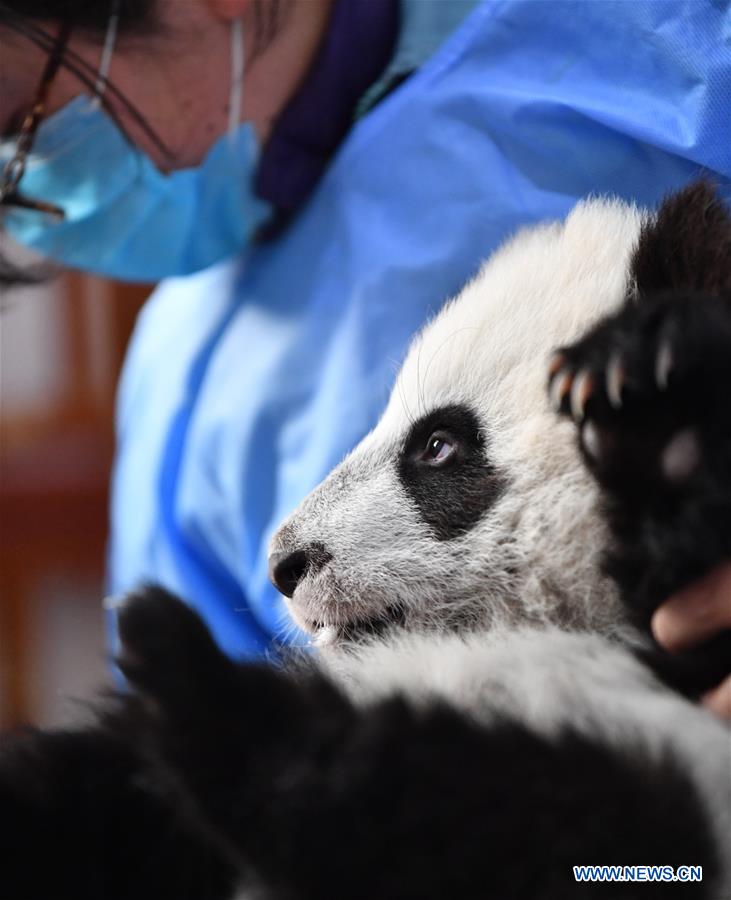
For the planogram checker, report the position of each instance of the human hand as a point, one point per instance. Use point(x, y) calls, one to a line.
point(694, 615)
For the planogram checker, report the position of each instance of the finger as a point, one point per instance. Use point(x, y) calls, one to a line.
point(719, 699)
point(695, 614)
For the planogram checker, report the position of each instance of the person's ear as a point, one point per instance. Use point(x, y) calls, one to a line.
point(228, 10)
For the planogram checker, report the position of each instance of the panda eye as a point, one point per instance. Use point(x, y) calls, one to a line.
point(439, 449)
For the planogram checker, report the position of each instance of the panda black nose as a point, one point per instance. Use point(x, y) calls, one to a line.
point(288, 568)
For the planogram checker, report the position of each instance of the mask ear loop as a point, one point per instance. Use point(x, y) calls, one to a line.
point(237, 77)
point(106, 57)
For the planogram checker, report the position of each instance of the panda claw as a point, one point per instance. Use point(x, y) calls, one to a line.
point(664, 363)
point(555, 364)
point(581, 390)
point(591, 440)
point(615, 378)
point(560, 387)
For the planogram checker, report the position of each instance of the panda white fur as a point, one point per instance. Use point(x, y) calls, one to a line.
point(486, 709)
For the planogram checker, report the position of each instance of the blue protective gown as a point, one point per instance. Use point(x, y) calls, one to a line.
point(246, 384)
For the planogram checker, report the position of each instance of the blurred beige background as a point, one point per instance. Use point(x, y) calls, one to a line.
point(61, 350)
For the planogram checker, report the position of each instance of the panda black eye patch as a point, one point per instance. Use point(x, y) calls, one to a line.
point(444, 468)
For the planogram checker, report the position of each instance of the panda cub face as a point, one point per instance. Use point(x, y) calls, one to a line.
point(468, 505)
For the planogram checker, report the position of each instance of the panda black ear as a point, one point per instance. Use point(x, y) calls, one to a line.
point(687, 246)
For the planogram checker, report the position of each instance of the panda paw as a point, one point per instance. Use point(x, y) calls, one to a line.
point(648, 389)
point(166, 652)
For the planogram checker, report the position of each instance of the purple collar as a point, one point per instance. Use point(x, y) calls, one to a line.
point(356, 49)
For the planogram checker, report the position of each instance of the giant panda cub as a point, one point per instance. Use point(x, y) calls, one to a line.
point(485, 709)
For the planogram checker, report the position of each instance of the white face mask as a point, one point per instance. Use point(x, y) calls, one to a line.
point(123, 217)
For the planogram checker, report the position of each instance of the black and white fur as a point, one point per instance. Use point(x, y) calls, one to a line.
point(486, 709)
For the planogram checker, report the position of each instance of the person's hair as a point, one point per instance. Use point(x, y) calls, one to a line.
point(134, 15)
point(89, 15)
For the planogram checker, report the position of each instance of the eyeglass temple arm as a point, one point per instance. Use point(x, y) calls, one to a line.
point(13, 172)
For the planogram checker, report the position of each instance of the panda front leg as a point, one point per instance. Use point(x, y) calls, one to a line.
point(247, 748)
point(650, 392)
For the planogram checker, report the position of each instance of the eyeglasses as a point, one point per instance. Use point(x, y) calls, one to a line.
point(14, 169)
